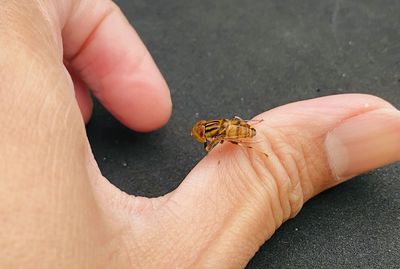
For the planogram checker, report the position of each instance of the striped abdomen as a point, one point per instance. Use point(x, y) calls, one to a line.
point(237, 129)
point(228, 129)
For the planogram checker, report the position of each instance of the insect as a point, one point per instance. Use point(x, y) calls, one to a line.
point(235, 130)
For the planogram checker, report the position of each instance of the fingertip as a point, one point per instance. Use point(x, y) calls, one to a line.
point(112, 60)
point(143, 107)
point(83, 98)
point(149, 113)
point(364, 142)
point(87, 112)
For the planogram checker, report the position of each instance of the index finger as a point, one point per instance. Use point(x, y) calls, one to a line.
point(108, 55)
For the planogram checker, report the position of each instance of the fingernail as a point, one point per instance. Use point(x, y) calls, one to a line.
point(364, 142)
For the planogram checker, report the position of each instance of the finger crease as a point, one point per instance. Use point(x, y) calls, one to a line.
point(89, 38)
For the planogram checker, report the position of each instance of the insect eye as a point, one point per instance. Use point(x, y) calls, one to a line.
point(200, 131)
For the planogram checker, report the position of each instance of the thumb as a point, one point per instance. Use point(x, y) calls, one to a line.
point(236, 198)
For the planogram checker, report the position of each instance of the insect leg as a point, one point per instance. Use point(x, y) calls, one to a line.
point(250, 147)
point(212, 144)
point(254, 122)
point(251, 122)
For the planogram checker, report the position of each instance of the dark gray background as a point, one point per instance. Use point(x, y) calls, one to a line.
point(231, 57)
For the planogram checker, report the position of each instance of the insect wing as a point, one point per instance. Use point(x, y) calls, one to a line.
point(254, 122)
point(243, 140)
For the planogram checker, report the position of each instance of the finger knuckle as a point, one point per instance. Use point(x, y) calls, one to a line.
point(287, 173)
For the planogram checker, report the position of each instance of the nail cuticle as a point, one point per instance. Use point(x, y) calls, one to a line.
point(363, 142)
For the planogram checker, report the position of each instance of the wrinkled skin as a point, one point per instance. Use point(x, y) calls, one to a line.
point(57, 211)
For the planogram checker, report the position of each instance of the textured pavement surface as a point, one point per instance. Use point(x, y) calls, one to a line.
point(231, 57)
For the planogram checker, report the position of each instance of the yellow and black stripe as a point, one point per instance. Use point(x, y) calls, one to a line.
point(239, 129)
point(214, 128)
point(229, 129)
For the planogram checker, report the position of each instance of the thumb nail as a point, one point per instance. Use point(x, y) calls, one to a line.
point(364, 142)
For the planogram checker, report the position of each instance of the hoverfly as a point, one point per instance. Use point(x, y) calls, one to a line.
point(236, 131)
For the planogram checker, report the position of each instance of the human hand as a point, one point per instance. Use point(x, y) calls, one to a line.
point(58, 211)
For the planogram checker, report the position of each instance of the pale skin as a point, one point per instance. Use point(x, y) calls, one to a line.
point(57, 211)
